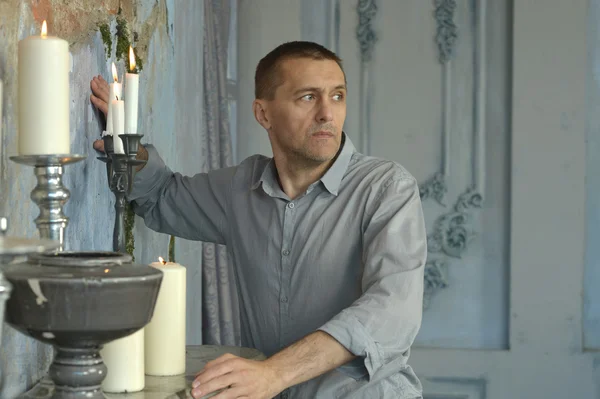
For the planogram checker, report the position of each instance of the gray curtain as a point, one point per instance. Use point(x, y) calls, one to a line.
point(220, 309)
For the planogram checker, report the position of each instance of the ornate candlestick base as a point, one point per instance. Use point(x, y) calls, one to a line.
point(119, 172)
point(50, 194)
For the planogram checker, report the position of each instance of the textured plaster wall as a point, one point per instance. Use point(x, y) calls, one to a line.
point(171, 79)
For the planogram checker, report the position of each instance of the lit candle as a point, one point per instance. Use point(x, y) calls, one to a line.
point(124, 359)
point(118, 121)
point(132, 84)
point(115, 94)
point(165, 334)
point(43, 95)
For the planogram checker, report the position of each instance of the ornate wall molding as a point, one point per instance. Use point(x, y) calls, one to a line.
point(479, 163)
point(453, 230)
point(434, 188)
point(435, 279)
point(446, 35)
point(452, 233)
point(367, 9)
point(447, 31)
point(334, 25)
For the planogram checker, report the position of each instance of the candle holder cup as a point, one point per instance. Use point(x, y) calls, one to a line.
point(120, 174)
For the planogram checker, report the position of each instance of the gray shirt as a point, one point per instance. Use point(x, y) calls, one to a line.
point(346, 257)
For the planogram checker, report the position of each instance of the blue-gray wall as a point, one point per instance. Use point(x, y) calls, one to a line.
point(170, 42)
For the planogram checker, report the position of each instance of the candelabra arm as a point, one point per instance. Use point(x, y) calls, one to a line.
point(118, 186)
point(119, 231)
point(120, 172)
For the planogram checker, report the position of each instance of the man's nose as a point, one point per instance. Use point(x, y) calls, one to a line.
point(325, 113)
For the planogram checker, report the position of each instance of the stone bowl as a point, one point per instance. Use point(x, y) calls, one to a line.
point(10, 249)
point(79, 301)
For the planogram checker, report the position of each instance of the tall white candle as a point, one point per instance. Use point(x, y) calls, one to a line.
point(124, 359)
point(165, 334)
point(117, 108)
point(132, 84)
point(43, 95)
point(115, 92)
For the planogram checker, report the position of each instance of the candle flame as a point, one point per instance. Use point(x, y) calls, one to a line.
point(44, 29)
point(131, 59)
point(114, 72)
point(161, 260)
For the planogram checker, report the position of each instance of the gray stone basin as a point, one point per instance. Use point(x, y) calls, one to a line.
point(11, 248)
point(78, 301)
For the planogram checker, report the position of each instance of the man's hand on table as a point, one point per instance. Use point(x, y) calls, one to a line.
point(243, 378)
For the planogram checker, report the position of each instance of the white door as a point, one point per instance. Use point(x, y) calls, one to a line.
point(484, 102)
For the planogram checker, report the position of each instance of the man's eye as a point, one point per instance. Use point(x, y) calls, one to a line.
point(308, 97)
point(338, 97)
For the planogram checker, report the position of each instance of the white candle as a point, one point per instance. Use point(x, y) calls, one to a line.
point(115, 92)
point(132, 84)
point(43, 95)
point(124, 359)
point(165, 334)
point(117, 108)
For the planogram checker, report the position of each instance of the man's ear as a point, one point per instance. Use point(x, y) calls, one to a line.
point(260, 113)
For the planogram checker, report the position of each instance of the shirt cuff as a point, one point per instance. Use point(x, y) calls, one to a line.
point(145, 179)
point(351, 334)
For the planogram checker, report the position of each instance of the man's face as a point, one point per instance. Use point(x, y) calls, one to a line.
point(306, 116)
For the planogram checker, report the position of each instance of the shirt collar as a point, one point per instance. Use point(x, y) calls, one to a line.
point(331, 179)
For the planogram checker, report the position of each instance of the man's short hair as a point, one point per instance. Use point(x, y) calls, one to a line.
point(268, 78)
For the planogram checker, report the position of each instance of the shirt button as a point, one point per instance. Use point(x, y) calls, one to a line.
point(284, 299)
point(291, 205)
point(286, 252)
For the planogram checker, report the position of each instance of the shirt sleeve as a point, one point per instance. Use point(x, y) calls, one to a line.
point(193, 208)
point(381, 325)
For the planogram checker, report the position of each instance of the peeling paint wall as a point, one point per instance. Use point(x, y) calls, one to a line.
point(168, 37)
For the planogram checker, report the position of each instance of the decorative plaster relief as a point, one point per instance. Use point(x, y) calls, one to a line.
point(434, 188)
point(453, 230)
point(447, 32)
point(364, 32)
point(451, 235)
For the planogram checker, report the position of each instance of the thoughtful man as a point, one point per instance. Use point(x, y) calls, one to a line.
point(328, 245)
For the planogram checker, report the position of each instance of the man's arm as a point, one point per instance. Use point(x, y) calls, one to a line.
point(191, 207)
point(381, 325)
point(309, 357)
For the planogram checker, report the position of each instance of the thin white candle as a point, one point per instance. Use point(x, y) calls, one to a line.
point(115, 92)
point(165, 334)
point(117, 107)
point(132, 84)
point(43, 95)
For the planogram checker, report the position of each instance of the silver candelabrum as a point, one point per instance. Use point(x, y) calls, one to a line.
point(120, 173)
point(50, 194)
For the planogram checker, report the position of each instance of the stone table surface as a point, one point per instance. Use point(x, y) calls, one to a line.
point(175, 387)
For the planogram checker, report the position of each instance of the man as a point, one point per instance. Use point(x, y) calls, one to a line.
point(328, 245)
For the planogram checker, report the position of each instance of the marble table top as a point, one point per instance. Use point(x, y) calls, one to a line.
point(175, 387)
